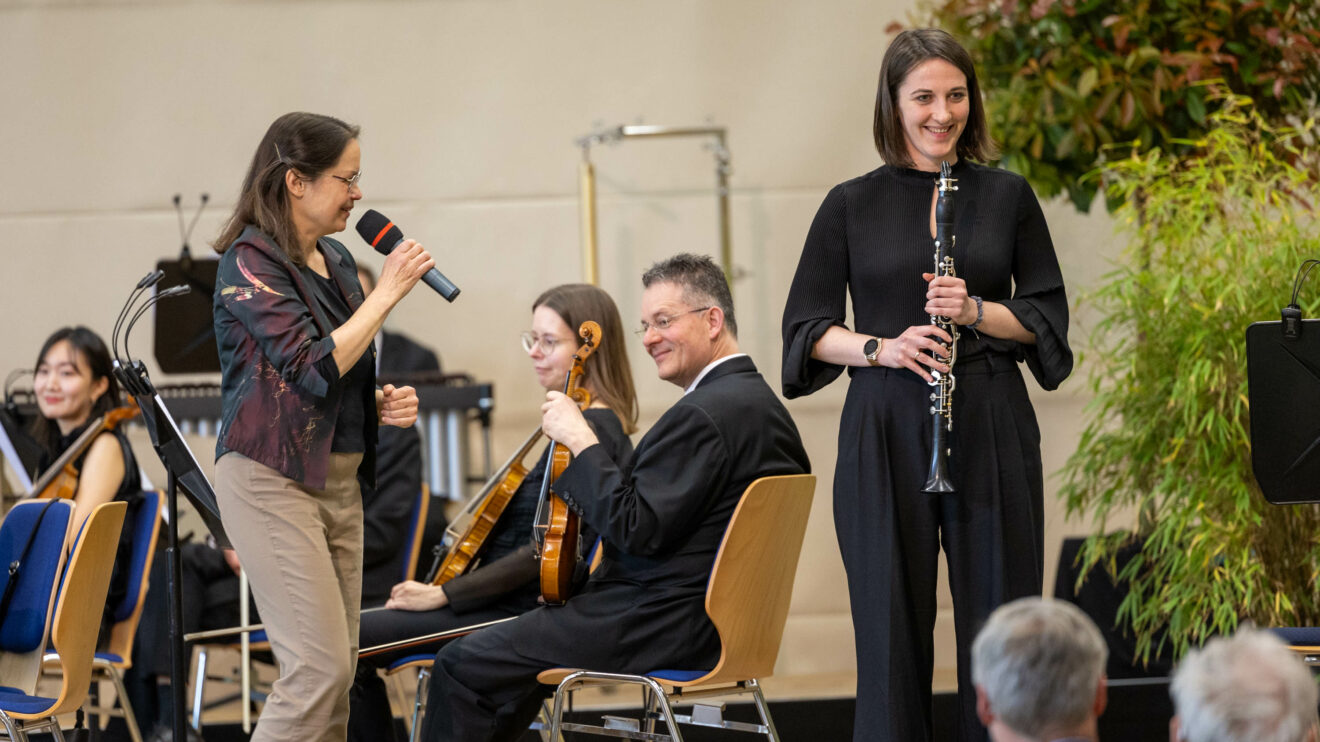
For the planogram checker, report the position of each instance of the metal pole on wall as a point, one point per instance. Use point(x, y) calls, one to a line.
point(587, 186)
point(587, 198)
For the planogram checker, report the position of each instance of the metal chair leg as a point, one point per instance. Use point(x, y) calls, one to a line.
point(763, 709)
point(557, 713)
point(130, 719)
point(544, 731)
point(649, 710)
point(419, 705)
point(199, 685)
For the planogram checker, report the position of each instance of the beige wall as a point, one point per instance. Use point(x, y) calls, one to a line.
point(469, 110)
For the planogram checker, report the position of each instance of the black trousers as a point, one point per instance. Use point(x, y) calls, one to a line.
point(890, 533)
point(369, 717)
point(484, 685)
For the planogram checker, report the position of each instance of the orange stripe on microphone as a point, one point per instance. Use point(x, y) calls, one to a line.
point(382, 234)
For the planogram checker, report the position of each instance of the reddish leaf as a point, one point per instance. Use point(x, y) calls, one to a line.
point(1127, 109)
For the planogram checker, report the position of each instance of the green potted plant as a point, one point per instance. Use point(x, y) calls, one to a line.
point(1215, 235)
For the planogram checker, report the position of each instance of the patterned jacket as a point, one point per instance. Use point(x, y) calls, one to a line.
point(279, 383)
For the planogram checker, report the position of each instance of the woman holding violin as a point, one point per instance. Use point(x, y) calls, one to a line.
point(75, 389)
point(504, 579)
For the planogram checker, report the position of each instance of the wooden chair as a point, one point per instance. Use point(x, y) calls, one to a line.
point(77, 622)
point(26, 625)
point(747, 599)
point(117, 657)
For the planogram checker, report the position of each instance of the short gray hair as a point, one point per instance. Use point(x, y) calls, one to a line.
point(1244, 688)
point(1039, 663)
point(702, 281)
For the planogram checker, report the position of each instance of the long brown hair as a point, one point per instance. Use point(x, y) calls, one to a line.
point(90, 349)
point(909, 49)
point(307, 143)
point(608, 374)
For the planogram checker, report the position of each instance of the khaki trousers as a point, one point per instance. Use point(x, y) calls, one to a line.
point(302, 551)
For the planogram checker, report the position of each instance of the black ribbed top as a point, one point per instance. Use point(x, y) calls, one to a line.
point(872, 239)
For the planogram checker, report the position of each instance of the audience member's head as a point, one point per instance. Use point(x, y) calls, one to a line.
point(1039, 670)
point(1245, 688)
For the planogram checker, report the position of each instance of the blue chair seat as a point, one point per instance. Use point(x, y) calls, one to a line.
point(108, 657)
point(677, 676)
point(410, 658)
point(15, 701)
point(1303, 635)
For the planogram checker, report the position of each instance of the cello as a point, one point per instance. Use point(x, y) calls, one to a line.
point(556, 529)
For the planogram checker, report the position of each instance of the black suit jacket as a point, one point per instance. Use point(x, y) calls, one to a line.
point(663, 516)
point(400, 354)
point(386, 511)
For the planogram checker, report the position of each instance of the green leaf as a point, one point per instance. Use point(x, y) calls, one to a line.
point(1086, 84)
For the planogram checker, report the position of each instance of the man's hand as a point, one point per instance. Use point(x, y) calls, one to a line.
point(563, 422)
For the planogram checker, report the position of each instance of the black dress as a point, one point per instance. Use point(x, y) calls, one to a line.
point(871, 238)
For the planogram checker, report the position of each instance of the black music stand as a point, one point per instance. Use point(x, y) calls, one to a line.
point(185, 344)
point(1283, 389)
point(182, 472)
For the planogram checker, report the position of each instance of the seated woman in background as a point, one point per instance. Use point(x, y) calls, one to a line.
point(504, 580)
point(74, 387)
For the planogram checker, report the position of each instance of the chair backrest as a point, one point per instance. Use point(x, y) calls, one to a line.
point(416, 530)
point(78, 612)
point(145, 532)
point(24, 626)
point(751, 583)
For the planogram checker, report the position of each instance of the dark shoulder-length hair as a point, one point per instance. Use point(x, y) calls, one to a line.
point(909, 49)
point(608, 373)
point(89, 348)
point(307, 143)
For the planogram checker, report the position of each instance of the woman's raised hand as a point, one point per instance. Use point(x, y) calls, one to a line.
point(404, 267)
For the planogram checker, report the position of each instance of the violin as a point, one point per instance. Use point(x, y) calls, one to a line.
point(556, 533)
point(467, 533)
point(60, 480)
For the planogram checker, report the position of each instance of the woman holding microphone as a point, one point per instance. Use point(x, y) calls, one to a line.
point(300, 409)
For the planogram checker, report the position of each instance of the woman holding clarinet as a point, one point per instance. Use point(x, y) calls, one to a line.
point(979, 493)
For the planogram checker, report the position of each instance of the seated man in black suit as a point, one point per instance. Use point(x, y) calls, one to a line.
point(662, 517)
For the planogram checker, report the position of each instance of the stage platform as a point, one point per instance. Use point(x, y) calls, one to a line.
point(819, 708)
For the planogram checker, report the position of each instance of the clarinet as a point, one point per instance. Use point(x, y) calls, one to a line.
point(941, 399)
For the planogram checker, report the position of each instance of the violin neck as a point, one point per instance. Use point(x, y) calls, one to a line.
point(70, 453)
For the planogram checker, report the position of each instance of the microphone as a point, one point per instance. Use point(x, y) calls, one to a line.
point(385, 235)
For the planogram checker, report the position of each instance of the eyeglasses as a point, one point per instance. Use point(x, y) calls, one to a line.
point(350, 182)
point(547, 343)
point(662, 322)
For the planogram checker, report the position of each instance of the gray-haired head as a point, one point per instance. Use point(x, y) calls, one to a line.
point(1039, 664)
point(1245, 688)
point(703, 283)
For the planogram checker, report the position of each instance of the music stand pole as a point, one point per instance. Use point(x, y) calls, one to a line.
point(182, 473)
point(178, 670)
